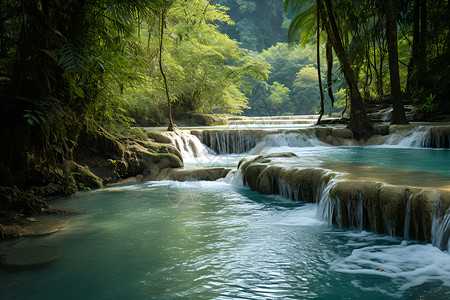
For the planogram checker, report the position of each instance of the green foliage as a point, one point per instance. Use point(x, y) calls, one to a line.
point(278, 93)
point(48, 120)
point(425, 105)
point(206, 70)
point(423, 59)
point(259, 23)
point(293, 67)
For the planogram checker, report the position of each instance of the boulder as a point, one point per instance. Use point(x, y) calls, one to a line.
point(84, 177)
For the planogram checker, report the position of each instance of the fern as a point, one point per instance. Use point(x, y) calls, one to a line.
point(70, 60)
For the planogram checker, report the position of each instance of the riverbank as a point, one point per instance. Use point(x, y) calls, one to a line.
point(101, 159)
point(98, 159)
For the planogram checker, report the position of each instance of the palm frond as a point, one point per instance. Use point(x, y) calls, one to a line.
point(302, 27)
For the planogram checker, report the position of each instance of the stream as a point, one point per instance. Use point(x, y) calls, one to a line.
point(220, 240)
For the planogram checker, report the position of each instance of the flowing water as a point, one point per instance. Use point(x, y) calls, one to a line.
point(219, 240)
point(168, 240)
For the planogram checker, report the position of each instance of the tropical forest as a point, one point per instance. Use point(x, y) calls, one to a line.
point(224, 149)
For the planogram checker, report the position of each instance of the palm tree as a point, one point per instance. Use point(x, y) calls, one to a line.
point(359, 123)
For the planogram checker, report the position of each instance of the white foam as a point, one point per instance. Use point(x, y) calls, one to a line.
point(409, 265)
point(188, 145)
point(409, 138)
point(303, 216)
point(280, 140)
point(234, 177)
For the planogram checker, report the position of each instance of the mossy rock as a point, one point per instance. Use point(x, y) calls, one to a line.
point(86, 179)
point(96, 141)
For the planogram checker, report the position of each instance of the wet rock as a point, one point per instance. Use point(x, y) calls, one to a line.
point(210, 174)
point(159, 137)
point(29, 256)
point(84, 177)
point(362, 204)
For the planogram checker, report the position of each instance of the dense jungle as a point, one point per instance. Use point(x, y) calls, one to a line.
point(78, 78)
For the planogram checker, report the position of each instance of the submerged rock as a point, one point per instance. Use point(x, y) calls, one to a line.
point(210, 174)
point(29, 256)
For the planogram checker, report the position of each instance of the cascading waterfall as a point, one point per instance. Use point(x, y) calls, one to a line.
point(285, 189)
point(188, 145)
point(326, 210)
point(303, 139)
point(242, 141)
point(234, 177)
point(407, 218)
point(440, 230)
point(360, 212)
point(420, 136)
point(229, 141)
point(438, 139)
point(330, 206)
point(413, 137)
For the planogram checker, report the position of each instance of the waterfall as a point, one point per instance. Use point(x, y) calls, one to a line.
point(417, 136)
point(326, 204)
point(412, 137)
point(188, 145)
point(256, 141)
point(440, 230)
point(407, 217)
point(293, 139)
point(229, 141)
point(285, 189)
point(439, 138)
point(234, 177)
point(360, 212)
point(276, 120)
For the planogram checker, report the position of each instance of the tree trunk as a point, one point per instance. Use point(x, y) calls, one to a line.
point(359, 124)
point(422, 46)
point(329, 54)
point(171, 126)
point(412, 82)
point(398, 113)
point(322, 106)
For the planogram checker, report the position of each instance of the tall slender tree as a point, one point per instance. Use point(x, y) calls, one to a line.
point(398, 113)
point(319, 75)
point(162, 22)
point(360, 124)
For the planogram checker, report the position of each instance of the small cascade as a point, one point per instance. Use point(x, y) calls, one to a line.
point(285, 189)
point(327, 205)
point(188, 145)
point(412, 137)
point(229, 141)
point(302, 139)
point(275, 120)
point(440, 231)
point(439, 138)
point(256, 141)
point(407, 217)
point(360, 212)
point(234, 177)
